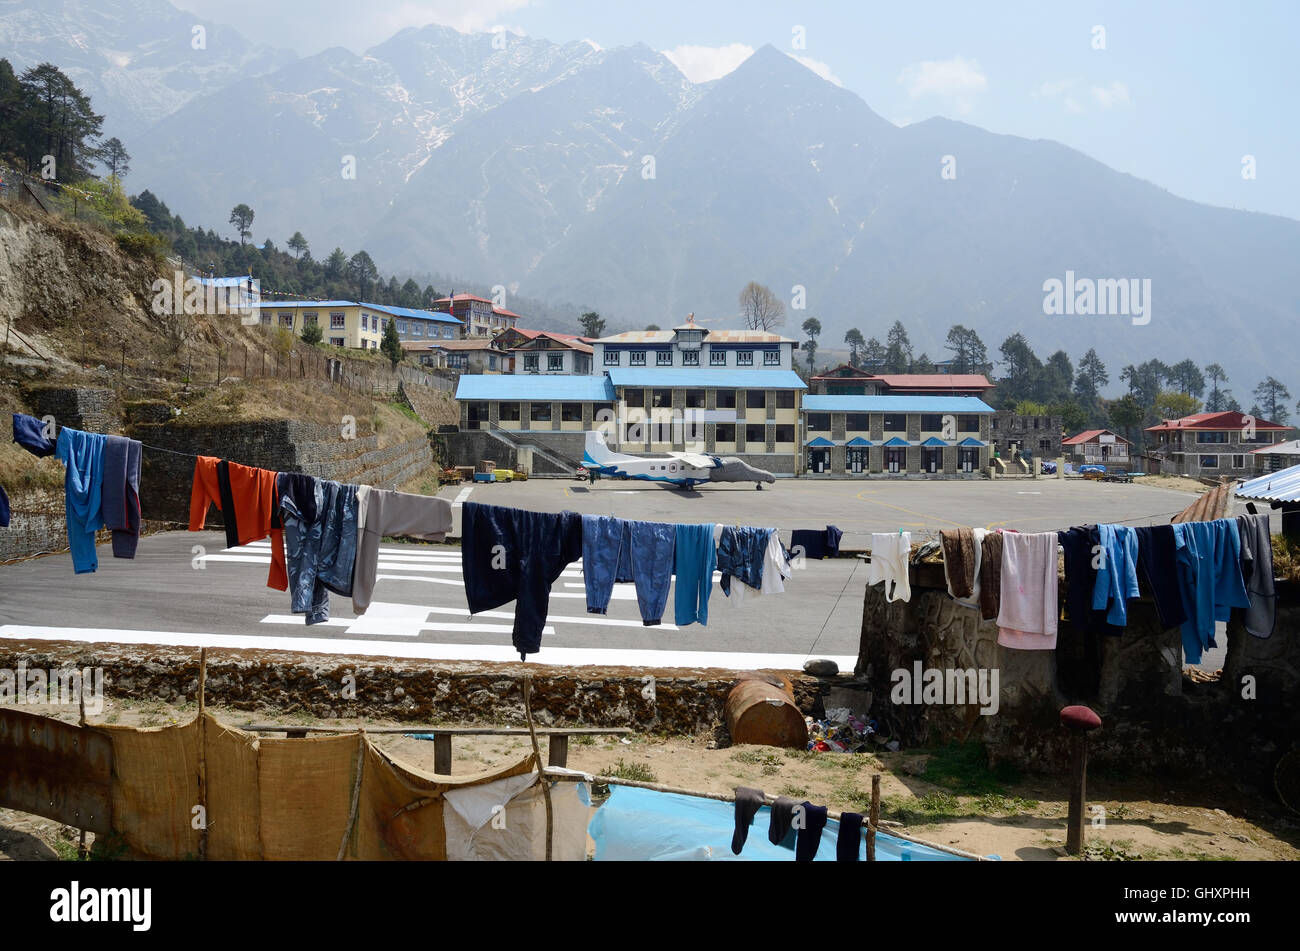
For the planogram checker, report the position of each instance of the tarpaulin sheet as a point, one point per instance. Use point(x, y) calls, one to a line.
point(640, 824)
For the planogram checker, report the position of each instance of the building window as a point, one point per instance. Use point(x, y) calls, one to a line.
point(785, 399)
point(555, 361)
point(726, 399)
point(611, 358)
point(931, 423)
point(994, 421)
point(636, 358)
point(530, 363)
point(266, 318)
point(756, 399)
point(401, 326)
point(725, 432)
point(492, 361)
point(634, 433)
point(417, 329)
point(540, 412)
point(1044, 446)
point(717, 358)
point(968, 424)
point(661, 399)
point(309, 319)
point(286, 320)
point(1238, 462)
point(663, 358)
point(634, 397)
point(744, 358)
point(1212, 437)
point(690, 358)
point(756, 434)
point(771, 358)
point(570, 412)
point(336, 341)
point(1209, 462)
point(857, 422)
point(784, 433)
point(336, 321)
point(819, 422)
point(695, 399)
point(508, 412)
point(895, 423)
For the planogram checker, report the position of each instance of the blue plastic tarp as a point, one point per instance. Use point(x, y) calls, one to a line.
point(636, 825)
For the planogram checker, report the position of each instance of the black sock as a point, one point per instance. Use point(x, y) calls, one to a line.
point(748, 802)
point(810, 836)
point(779, 831)
point(849, 843)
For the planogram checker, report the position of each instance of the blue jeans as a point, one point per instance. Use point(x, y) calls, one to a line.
point(694, 559)
point(740, 552)
point(617, 550)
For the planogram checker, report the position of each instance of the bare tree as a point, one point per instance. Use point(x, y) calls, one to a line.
point(760, 309)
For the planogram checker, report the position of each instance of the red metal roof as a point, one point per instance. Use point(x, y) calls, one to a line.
point(854, 373)
point(935, 381)
point(1088, 436)
point(1230, 419)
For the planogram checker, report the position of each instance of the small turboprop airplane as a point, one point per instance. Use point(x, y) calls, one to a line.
point(682, 469)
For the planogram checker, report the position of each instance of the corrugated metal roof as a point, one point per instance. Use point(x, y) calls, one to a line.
point(711, 336)
point(483, 386)
point(818, 443)
point(859, 441)
point(934, 442)
point(1280, 486)
point(708, 377)
point(1228, 419)
point(935, 381)
point(897, 441)
point(414, 313)
point(1208, 506)
point(272, 304)
point(1289, 448)
point(896, 404)
point(1089, 435)
point(973, 442)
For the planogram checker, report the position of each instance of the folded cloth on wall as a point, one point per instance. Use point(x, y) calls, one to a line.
point(780, 826)
point(889, 556)
point(1257, 573)
point(990, 575)
point(530, 550)
point(776, 569)
point(1116, 580)
point(121, 494)
point(383, 512)
point(810, 832)
point(319, 554)
point(694, 557)
point(963, 550)
point(1209, 578)
point(616, 550)
point(824, 543)
point(29, 432)
point(848, 845)
point(1158, 566)
point(82, 455)
point(741, 551)
point(250, 509)
point(4, 508)
point(748, 802)
point(1029, 608)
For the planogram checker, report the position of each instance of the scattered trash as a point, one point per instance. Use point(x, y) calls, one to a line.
point(840, 732)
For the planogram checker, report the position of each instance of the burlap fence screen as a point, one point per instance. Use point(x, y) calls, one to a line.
point(273, 798)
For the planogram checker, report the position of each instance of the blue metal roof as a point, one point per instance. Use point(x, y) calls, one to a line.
point(487, 386)
point(898, 441)
point(413, 313)
point(846, 403)
point(934, 441)
point(819, 443)
point(1280, 486)
point(972, 441)
point(859, 441)
point(707, 377)
point(272, 304)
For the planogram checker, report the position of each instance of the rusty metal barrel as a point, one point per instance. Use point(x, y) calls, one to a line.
point(761, 710)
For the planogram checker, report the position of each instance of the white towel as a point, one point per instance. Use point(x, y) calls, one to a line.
point(1029, 606)
point(889, 555)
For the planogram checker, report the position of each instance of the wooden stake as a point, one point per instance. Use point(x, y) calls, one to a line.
point(203, 764)
point(874, 817)
point(1078, 781)
point(541, 770)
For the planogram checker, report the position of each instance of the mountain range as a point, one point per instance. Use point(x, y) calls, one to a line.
point(606, 179)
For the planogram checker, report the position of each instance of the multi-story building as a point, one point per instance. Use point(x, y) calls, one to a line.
point(895, 435)
point(546, 353)
point(1034, 436)
point(1098, 447)
point(355, 324)
point(1213, 444)
point(478, 316)
point(846, 380)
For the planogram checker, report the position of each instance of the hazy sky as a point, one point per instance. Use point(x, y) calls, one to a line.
point(1180, 94)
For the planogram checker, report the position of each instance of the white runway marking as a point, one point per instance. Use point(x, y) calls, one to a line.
point(462, 495)
point(559, 656)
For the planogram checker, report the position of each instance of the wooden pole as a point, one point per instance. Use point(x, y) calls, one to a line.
point(874, 817)
point(537, 756)
point(1078, 780)
point(442, 754)
point(203, 745)
point(81, 721)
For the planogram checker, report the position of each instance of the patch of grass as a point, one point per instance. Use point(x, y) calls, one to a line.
point(794, 792)
point(771, 769)
point(963, 768)
point(637, 772)
point(756, 758)
point(1121, 850)
point(583, 739)
point(919, 810)
point(997, 804)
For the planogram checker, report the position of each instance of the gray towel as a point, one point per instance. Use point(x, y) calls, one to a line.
point(748, 802)
point(1257, 572)
point(780, 830)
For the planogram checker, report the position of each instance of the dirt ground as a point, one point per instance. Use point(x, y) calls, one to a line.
point(945, 796)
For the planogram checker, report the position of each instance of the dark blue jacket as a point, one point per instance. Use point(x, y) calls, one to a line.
point(740, 552)
point(513, 555)
point(29, 433)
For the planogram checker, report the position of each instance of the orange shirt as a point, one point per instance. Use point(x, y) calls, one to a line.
point(253, 494)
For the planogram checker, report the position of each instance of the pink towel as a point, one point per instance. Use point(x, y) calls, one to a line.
point(1029, 607)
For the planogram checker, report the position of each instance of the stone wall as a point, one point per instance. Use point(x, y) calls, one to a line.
point(92, 410)
point(686, 701)
point(1153, 720)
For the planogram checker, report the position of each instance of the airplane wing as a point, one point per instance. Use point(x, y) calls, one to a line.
point(696, 459)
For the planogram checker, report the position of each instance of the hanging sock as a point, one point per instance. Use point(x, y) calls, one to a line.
point(748, 802)
point(848, 845)
point(810, 836)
